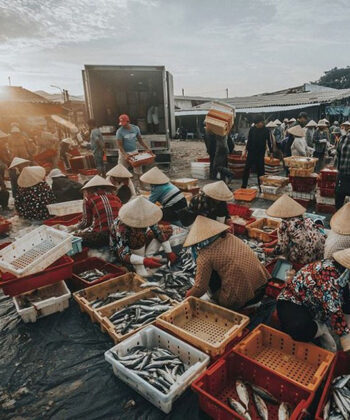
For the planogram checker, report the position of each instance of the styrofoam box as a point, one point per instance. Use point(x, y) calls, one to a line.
point(45, 307)
point(200, 170)
point(195, 362)
point(67, 207)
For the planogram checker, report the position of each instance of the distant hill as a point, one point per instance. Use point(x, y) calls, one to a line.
point(57, 97)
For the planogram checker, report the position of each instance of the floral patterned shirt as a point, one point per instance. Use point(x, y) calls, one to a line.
point(30, 202)
point(320, 287)
point(301, 240)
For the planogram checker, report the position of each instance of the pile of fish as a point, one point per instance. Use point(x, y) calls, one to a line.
point(268, 229)
point(260, 397)
point(94, 274)
point(338, 404)
point(158, 366)
point(112, 297)
point(174, 281)
point(258, 249)
point(138, 314)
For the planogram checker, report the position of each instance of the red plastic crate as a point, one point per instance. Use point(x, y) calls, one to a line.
point(67, 220)
point(5, 244)
point(328, 175)
point(325, 208)
point(270, 266)
point(327, 192)
point(89, 264)
point(42, 158)
point(5, 226)
point(218, 383)
point(238, 210)
point(73, 177)
point(274, 288)
point(242, 229)
point(303, 184)
point(341, 366)
point(207, 160)
point(59, 270)
point(304, 203)
point(83, 255)
point(88, 172)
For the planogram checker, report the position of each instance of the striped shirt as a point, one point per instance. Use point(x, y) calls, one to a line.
point(163, 194)
point(100, 209)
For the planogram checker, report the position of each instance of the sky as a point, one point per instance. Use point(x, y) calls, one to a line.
point(247, 46)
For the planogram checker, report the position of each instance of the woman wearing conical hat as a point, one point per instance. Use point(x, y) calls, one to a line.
point(299, 238)
point(136, 236)
point(226, 267)
point(318, 297)
point(15, 169)
point(339, 236)
point(33, 194)
point(165, 193)
point(120, 177)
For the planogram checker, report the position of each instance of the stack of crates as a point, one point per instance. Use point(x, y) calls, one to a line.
point(273, 186)
point(220, 118)
point(325, 196)
point(303, 188)
point(236, 164)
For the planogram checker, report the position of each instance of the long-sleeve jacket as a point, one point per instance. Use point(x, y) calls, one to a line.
point(258, 139)
point(299, 147)
point(320, 140)
point(31, 202)
point(66, 190)
point(309, 136)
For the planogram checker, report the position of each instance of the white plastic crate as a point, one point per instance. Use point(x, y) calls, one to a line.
point(200, 170)
point(68, 207)
point(269, 189)
point(45, 307)
point(35, 251)
point(179, 235)
point(194, 360)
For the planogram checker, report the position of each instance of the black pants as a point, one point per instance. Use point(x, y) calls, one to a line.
point(4, 199)
point(296, 320)
point(170, 213)
point(212, 171)
point(259, 163)
point(342, 189)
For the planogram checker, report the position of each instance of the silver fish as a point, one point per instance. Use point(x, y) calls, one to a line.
point(238, 408)
point(326, 410)
point(283, 411)
point(261, 407)
point(340, 381)
point(340, 404)
point(242, 392)
point(264, 394)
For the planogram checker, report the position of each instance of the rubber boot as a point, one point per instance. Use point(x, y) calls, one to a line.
point(325, 337)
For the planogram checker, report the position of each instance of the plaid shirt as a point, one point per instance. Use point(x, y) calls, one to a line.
point(99, 211)
point(343, 156)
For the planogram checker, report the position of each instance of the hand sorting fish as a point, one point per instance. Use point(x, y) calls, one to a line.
point(338, 404)
point(139, 314)
point(258, 249)
point(260, 398)
point(158, 366)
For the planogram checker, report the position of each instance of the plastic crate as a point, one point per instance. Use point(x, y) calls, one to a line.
point(103, 314)
point(300, 172)
point(255, 229)
point(341, 366)
point(203, 160)
point(200, 170)
point(327, 192)
point(300, 162)
point(303, 202)
point(57, 303)
point(274, 180)
point(59, 270)
point(77, 246)
point(5, 225)
point(81, 255)
point(143, 158)
point(88, 172)
point(304, 364)
point(326, 184)
point(185, 183)
point(303, 184)
point(129, 282)
point(205, 325)
point(216, 126)
point(274, 288)
point(328, 175)
point(325, 208)
point(269, 189)
point(245, 194)
point(68, 207)
point(67, 220)
point(89, 264)
point(43, 157)
point(324, 200)
point(217, 384)
point(194, 360)
point(239, 228)
point(237, 210)
point(236, 159)
point(272, 161)
point(35, 251)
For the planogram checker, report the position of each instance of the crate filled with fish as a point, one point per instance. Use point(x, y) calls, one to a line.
point(304, 364)
point(122, 319)
point(157, 365)
point(264, 230)
point(92, 271)
point(236, 388)
point(258, 249)
point(42, 302)
point(335, 399)
point(110, 291)
point(205, 325)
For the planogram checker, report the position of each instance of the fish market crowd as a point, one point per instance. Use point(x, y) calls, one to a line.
point(248, 307)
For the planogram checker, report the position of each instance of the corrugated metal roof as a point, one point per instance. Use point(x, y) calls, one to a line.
point(19, 94)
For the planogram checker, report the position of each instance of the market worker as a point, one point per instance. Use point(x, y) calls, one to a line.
point(299, 146)
point(64, 188)
point(211, 203)
point(342, 188)
point(299, 239)
point(309, 134)
point(66, 146)
point(320, 140)
point(127, 137)
point(316, 296)
point(100, 208)
point(97, 145)
point(338, 237)
point(15, 169)
point(226, 267)
point(136, 236)
point(33, 194)
point(120, 177)
point(165, 193)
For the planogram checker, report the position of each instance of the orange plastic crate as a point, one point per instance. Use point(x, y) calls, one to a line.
point(302, 363)
point(245, 194)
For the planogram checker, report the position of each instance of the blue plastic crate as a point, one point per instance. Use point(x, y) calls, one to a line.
point(77, 246)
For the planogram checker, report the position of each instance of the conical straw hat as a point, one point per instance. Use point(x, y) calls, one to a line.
point(154, 176)
point(202, 229)
point(345, 123)
point(311, 123)
point(296, 131)
point(285, 207)
point(30, 176)
point(322, 123)
point(292, 120)
point(140, 213)
point(218, 191)
point(277, 122)
point(343, 257)
point(17, 161)
point(119, 171)
point(97, 181)
point(340, 222)
point(271, 124)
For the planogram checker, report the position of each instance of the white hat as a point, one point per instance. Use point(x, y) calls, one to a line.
point(155, 177)
point(271, 124)
point(218, 191)
point(30, 176)
point(322, 123)
point(140, 213)
point(69, 141)
point(119, 171)
point(202, 229)
point(296, 131)
point(15, 129)
point(292, 120)
point(55, 173)
point(345, 123)
point(17, 161)
point(3, 135)
point(285, 120)
point(311, 123)
point(97, 181)
point(277, 122)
